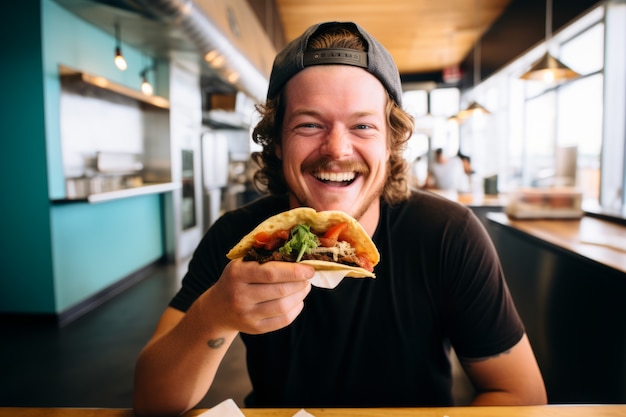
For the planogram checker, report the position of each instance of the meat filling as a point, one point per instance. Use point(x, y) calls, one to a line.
point(261, 255)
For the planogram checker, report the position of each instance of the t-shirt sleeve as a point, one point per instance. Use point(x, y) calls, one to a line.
point(480, 313)
point(205, 266)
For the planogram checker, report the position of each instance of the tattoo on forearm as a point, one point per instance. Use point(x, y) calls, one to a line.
point(216, 343)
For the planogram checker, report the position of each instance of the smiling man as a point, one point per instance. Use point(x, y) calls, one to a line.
point(334, 141)
point(333, 132)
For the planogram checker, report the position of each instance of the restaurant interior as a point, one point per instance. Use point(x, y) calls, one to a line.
point(126, 133)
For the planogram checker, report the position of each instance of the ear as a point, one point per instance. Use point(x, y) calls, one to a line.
point(278, 151)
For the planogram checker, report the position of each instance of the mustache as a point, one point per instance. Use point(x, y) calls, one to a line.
point(327, 164)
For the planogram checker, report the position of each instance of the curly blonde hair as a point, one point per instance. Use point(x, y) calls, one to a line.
point(267, 133)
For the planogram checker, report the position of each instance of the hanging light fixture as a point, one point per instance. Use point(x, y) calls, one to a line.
point(474, 109)
point(549, 69)
point(119, 60)
point(146, 87)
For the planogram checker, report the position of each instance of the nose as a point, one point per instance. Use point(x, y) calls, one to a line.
point(337, 143)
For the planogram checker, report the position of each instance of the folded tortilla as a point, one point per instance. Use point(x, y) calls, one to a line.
point(319, 222)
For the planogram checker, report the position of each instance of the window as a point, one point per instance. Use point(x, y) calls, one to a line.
point(444, 102)
point(613, 176)
point(571, 133)
point(431, 110)
point(539, 141)
point(580, 127)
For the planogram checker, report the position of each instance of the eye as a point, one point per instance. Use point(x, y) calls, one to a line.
point(365, 130)
point(308, 126)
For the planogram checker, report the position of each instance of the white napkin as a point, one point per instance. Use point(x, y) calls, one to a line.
point(226, 408)
point(328, 279)
point(614, 242)
point(303, 413)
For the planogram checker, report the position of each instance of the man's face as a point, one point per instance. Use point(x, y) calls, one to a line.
point(334, 144)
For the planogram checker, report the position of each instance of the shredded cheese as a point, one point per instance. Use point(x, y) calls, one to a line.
point(342, 248)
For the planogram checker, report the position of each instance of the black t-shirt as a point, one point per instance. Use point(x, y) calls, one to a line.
point(383, 341)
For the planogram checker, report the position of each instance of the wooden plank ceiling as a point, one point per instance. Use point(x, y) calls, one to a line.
point(423, 36)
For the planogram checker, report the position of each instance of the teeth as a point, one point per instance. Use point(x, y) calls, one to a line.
point(336, 176)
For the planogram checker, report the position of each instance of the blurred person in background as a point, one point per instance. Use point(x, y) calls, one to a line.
point(446, 173)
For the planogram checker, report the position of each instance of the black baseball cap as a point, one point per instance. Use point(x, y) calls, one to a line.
point(376, 60)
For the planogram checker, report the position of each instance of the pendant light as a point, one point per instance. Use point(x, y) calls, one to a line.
point(549, 69)
point(474, 109)
point(119, 60)
point(146, 87)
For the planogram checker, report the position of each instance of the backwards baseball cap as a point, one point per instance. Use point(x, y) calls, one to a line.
point(376, 59)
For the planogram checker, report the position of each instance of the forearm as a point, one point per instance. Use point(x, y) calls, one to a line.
point(509, 398)
point(175, 370)
point(178, 365)
point(509, 378)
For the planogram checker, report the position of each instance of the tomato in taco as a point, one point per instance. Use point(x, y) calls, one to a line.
point(327, 240)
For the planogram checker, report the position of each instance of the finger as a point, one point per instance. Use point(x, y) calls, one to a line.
point(244, 299)
point(276, 323)
point(263, 292)
point(275, 272)
point(276, 314)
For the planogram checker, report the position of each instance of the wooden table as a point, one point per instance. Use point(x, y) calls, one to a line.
point(570, 294)
point(523, 411)
point(583, 237)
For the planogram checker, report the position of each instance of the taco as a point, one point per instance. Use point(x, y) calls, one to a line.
point(327, 240)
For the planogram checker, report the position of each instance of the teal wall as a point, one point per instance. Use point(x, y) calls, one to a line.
point(26, 274)
point(97, 244)
point(57, 255)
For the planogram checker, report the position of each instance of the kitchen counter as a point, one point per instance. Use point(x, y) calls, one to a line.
point(473, 199)
point(481, 204)
point(123, 193)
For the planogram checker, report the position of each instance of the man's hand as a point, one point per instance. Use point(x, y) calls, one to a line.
point(258, 298)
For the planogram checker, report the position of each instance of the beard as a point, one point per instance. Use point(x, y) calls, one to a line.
point(357, 213)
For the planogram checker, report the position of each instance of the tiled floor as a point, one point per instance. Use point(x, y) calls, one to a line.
point(90, 361)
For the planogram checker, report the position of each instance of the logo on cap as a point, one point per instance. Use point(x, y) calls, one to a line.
point(329, 56)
